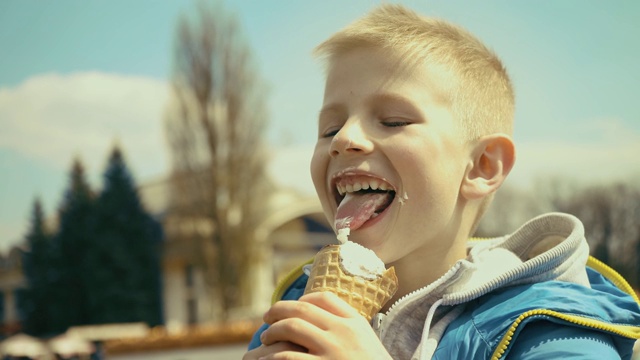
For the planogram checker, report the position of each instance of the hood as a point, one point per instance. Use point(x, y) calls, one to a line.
point(548, 247)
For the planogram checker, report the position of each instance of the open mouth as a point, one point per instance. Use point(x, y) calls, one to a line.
point(360, 199)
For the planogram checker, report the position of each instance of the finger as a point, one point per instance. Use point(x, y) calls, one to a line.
point(286, 355)
point(293, 330)
point(297, 309)
point(331, 303)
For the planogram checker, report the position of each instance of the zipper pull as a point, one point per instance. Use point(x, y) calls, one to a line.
point(376, 324)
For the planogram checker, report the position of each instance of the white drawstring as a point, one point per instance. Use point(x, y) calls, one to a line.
point(426, 328)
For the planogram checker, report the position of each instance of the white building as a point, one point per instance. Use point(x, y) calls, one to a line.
point(291, 234)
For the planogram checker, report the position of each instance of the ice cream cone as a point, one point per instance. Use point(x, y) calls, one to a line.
point(366, 296)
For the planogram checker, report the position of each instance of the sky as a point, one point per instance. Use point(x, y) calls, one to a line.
point(77, 77)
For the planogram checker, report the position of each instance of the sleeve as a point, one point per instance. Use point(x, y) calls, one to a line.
point(547, 340)
point(294, 292)
point(255, 340)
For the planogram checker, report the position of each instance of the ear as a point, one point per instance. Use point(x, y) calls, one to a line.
point(493, 157)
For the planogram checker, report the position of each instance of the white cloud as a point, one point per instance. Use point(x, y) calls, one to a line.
point(609, 154)
point(51, 118)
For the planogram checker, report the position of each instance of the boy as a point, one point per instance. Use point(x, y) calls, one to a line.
point(415, 126)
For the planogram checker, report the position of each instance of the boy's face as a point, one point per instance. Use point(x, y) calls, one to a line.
point(389, 127)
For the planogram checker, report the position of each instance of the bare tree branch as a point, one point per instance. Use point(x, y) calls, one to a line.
point(215, 125)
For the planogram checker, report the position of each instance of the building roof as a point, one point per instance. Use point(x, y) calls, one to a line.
point(160, 338)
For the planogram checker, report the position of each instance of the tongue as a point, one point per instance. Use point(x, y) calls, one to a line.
point(356, 208)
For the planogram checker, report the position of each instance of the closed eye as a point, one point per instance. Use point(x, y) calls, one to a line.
point(330, 133)
point(396, 123)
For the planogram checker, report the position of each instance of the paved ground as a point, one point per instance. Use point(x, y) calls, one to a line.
point(230, 352)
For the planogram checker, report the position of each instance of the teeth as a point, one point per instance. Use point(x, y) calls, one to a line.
point(372, 184)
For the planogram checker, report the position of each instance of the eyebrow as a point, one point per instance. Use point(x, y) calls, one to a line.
point(331, 109)
point(390, 98)
point(375, 99)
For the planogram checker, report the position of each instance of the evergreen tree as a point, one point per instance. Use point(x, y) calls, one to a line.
point(36, 266)
point(126, 254)
point(71, 246)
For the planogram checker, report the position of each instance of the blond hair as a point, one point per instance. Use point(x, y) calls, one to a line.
point(482, 98)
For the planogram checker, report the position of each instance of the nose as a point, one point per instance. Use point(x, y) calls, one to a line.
point(351, 139)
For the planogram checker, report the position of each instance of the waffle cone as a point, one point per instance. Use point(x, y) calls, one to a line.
point(366, 296)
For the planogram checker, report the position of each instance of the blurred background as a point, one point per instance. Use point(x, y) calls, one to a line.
point(154, 157)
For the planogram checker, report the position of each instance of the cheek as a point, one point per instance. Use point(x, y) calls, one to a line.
point(433, 178)
point(318, 167)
